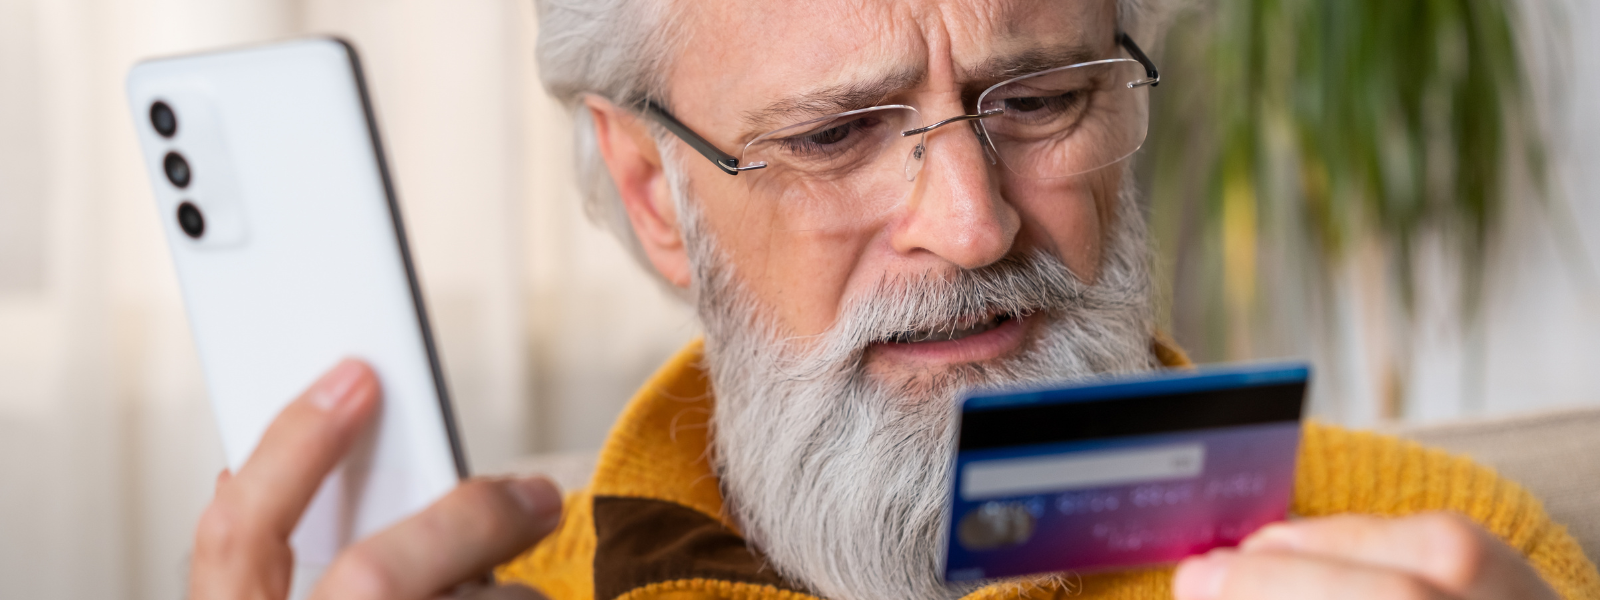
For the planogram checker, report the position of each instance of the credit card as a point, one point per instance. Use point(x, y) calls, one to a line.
point(1119, 473)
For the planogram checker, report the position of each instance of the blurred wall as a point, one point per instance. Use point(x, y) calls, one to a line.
point(1544, 333)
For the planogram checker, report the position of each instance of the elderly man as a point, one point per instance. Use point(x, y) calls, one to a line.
point(873, 205)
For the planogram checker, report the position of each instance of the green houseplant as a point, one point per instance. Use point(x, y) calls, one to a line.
point(1299, 146)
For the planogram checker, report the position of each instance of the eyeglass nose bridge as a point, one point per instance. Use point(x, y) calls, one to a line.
point(914, 162)
point(982, 115)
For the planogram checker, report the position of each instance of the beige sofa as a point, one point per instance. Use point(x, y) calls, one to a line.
point(1555, 454)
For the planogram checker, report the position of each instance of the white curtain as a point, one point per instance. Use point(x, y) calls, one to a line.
point(107, 449)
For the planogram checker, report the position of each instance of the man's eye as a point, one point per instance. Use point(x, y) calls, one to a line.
point(1059, 103)
point(831, 135)
point(831, 139)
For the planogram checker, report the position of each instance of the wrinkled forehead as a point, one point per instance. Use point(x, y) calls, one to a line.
point(738, 62)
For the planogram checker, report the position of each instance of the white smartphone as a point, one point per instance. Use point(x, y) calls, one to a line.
point(280, 213)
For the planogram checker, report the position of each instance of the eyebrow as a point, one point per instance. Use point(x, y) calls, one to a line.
point(1000, 68)
point(866, 94)
point(828, 100)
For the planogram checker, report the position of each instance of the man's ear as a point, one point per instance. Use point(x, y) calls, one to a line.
point(635, 165)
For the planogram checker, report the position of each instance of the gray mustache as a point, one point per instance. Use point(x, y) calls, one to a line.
point(912, 306)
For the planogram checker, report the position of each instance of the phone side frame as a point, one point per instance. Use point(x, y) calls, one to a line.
point(446, 409)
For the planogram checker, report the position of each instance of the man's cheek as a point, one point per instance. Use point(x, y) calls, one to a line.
point(1068, 216)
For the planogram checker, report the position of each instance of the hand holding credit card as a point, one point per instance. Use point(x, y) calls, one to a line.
point(1119, 473)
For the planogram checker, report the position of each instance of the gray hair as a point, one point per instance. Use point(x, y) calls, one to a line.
point(619, 50)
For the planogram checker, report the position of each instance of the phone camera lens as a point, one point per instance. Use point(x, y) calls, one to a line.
point(177, 169)
point(161, 116)
point(191, 221)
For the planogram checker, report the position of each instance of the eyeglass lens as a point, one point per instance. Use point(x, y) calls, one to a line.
point(846, 169)
point(1067, 121)
point(839, 169)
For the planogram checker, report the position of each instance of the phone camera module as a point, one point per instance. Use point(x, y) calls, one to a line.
point(177, 169)
point(163, 119)
point(191, 221)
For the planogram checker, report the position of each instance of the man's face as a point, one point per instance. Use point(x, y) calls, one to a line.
point(824, 391)
point(746, 67)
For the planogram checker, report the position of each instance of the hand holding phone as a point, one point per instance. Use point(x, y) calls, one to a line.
point(285, 231)
point(242, 543)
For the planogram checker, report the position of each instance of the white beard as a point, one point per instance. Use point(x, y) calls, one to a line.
point(840, 478)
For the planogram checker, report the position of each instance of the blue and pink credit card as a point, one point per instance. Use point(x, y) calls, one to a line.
point(1119, 473)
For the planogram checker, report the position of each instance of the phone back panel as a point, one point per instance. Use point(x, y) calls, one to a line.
point(302, 262)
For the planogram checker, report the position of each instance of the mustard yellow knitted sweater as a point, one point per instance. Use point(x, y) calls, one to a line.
point(651, 526)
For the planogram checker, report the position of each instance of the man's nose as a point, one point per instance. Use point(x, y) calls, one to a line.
point(957, 212)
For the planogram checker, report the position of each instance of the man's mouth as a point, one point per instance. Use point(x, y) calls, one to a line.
point(946, 334)
point(971, 340)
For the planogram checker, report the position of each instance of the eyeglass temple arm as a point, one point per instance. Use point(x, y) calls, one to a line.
point(727, 162)
point(1138, 54)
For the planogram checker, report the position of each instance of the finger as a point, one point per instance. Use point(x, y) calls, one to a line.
point(241, 541)
point(1273, 575)
point(1447, 549)
point(302, 445)
point(482, 523)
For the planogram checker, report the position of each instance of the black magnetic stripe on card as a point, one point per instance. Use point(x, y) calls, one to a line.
point(1166, 413)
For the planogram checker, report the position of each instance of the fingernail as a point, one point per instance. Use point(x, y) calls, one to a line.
point(538, 498)
point(1272, 537)
point(1201, 578)
point(337, 386)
